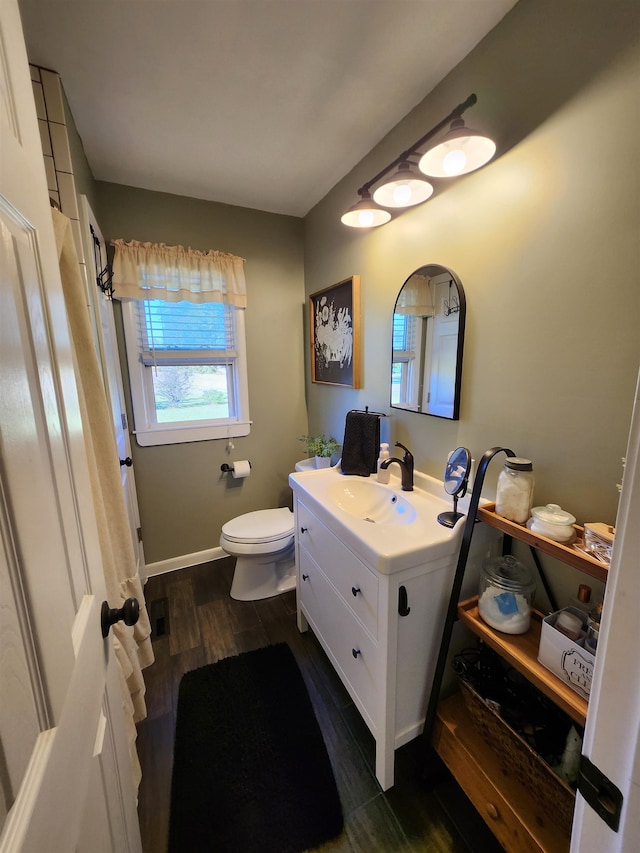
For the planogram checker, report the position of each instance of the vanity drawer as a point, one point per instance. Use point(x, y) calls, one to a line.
point(340, 634)
point(357, 585)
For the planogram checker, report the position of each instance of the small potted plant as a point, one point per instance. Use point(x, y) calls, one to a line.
point(321, 447)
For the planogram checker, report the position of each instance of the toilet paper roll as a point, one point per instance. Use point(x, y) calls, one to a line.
point(241, 469)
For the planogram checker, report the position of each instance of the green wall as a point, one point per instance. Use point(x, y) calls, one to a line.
point(545, 240)
point(183, 496)
point(82, 174)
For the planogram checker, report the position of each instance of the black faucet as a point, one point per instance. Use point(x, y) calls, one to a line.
point(406, 467)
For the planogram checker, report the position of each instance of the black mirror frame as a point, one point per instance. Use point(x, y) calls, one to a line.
point(462, 483)
point(432, 270)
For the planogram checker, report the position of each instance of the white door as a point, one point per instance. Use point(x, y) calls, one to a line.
point(612, 733)
point(101, 309)
point(65, 781)
point(442, 352)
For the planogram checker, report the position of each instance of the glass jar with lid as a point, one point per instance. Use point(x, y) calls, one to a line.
point(507, 588)
point(514, 495)
point(553, 522)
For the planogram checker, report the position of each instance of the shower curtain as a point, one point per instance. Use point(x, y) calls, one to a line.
point(132, 648)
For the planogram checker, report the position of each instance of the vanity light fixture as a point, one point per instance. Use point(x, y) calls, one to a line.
point(404, 188)
point(461, 151)
point(366, 213)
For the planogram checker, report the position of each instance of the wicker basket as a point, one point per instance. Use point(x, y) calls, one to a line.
point(555, 796)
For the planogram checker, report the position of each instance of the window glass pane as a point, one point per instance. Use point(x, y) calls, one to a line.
point(404, 332)
point(399, 332)
point(396, 382)
point(190, 392)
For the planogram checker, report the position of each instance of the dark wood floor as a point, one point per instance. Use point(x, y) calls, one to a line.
point(204, 625)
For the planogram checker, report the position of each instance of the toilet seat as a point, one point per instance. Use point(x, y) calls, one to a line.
point(262, 526)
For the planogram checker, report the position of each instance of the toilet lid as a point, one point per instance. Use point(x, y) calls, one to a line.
point(265, 525)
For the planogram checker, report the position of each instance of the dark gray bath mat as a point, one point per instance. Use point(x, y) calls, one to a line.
point(251, 771)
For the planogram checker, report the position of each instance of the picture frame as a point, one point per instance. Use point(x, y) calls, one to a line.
point(334, 321)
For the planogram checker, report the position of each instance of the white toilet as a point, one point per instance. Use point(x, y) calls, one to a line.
point(263, 544)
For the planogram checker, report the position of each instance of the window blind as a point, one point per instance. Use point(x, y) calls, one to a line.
point(184, 332)
point(404, 333)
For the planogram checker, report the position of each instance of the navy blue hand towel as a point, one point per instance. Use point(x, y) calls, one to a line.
point(361, 444)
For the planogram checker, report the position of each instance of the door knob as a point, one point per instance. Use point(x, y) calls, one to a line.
point(128, 614)
point(128, 462)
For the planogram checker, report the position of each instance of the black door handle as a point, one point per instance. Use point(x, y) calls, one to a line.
point(128, 462)
point(128, 613)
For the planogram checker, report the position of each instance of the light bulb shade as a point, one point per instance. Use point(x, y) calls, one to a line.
point(365, 213)
point(404, 188)
point(461, 151)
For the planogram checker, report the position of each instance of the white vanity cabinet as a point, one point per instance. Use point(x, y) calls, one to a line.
point(381, 631)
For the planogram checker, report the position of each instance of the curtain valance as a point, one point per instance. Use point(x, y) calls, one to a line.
point(415, 297)
point(173, 273)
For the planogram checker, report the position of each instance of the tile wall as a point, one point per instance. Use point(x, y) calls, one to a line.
point(52, 122)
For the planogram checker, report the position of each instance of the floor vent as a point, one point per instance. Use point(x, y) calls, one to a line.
point(159, 618)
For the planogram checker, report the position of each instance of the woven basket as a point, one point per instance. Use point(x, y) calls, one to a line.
point(554, 795)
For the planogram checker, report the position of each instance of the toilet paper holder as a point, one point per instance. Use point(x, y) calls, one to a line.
point(228, 469)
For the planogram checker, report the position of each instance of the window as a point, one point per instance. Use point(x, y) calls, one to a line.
point(187, 366)
point(406, 360)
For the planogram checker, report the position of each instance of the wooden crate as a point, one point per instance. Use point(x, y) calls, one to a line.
point(518, 757)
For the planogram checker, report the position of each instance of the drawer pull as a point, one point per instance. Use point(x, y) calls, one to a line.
point(303, 529)
point(305, 577)
point(356, 652)
point(492, 811)
point(403, 602)
point(355, 590)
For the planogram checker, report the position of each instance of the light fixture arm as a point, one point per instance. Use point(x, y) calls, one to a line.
point(454, 114)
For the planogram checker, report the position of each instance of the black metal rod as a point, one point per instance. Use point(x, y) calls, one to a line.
point(454, 114)
point(543, 578)
point(452, 609)
point(507, 543)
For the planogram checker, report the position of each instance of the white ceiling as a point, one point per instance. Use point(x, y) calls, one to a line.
point(259, 103)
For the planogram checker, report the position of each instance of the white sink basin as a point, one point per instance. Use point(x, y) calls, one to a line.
point(372, 502)
point(388, 528)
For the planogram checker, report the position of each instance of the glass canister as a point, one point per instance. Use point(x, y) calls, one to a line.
point(514, 495)
point(553, 522)
point(507, 588)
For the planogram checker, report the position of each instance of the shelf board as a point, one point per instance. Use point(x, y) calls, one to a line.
point(565, 553)
point(511, 810)
point(521, 651)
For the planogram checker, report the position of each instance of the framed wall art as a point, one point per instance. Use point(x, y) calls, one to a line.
point(334, 316)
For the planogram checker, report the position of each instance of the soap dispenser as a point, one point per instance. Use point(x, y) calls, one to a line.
point(383, 473)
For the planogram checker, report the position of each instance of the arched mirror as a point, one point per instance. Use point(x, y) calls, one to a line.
point(427, 341)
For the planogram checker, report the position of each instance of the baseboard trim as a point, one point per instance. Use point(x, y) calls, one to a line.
point(183, 562)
